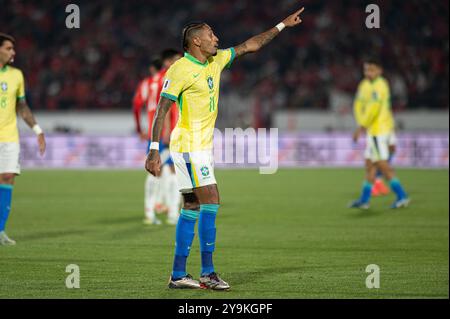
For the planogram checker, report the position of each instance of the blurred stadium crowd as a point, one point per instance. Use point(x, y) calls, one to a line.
point(316, 66)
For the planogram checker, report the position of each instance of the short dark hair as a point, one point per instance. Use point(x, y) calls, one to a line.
point(188, 31)
point(169, 53)
point(373, 60)
point(6, 37)
point(156, 62)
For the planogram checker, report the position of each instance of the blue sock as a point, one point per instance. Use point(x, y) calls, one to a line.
point(366, 192)
point(207, 235)
point(397, 188)
point(183, 241)
point(5, 204)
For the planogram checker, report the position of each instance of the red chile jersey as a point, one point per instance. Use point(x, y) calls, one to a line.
point(148, 94)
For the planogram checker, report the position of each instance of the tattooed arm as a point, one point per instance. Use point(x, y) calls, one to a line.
point(24, 111)
point(257, 42)
point(153, 162)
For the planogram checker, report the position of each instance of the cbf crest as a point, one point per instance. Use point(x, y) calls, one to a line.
point(210, 82)
point(4, 86)
point(205, 171)
point(374, 95)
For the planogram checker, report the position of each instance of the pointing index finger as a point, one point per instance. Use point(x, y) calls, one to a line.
point(300, 11)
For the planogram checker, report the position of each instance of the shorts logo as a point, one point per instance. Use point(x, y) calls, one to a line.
point(205, 171)
point(4, 86)
point(210, 82)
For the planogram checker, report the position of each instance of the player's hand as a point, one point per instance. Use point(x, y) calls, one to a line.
point(153, 163)
point(392, 149)
point(293, 19)
point(356, 134)
point(41, 143)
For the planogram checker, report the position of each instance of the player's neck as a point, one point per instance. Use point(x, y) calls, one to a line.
point(197, 54)
point(374, 79)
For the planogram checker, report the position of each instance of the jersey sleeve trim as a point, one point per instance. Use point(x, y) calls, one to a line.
point(233, 55)
point(21, 97)
point(169, 96)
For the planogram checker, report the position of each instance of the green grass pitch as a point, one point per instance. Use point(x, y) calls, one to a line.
point(287, 235)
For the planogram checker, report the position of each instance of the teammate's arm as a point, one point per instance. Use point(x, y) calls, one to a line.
point(257, 42)
point(138, 103)
point(137, 106)
point(24, 111)
point(370, 114)
point(358, 109)
point(153, 161)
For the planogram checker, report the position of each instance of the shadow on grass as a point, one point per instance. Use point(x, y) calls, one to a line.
point(369, 213)
point(256, 275)
point(49, 234)
point(121, 220)
point(139, 230)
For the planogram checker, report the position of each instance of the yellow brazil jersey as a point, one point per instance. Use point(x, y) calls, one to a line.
point(372, 106)
point(12, 88)
point(195, 88)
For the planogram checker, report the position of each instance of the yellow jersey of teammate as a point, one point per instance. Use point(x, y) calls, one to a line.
point(195, 88)
point(372, 106)
point(12, 88)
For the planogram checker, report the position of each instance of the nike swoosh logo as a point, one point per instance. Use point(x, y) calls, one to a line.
point(209, 244)
point(196, 75)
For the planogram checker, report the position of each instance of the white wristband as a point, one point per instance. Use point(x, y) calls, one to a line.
point(280, 26)
point(154, 146)
point(37, 129)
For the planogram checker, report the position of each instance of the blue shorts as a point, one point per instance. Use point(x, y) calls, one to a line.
point(164, 153)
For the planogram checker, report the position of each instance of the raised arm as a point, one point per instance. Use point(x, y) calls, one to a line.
point(257, 42)
point(153, 162)
point(24, 111)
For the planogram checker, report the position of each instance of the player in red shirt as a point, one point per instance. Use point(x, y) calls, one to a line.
point(161, 189)
point(141, 96)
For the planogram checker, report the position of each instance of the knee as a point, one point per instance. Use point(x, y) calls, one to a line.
point(370, 175)
point(190, 202)
point(211, 195)
point(7, 178)
point(191, 206)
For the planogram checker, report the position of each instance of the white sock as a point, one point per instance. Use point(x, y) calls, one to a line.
point(152, 188)
point(174, 196)
point(165, 171)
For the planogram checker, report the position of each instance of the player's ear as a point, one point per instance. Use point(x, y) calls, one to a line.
point(196, 41)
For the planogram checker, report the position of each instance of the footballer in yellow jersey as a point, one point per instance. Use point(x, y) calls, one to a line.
point(193, 82)
point(12, 102)
point(372, 109)
point(195, 88)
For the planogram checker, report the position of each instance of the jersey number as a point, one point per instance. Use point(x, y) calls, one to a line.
point(212, 105)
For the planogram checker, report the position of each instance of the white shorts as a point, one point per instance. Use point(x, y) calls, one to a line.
point(193, 169)
point(392, 139)
point(9, 158)
point(377, 147)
